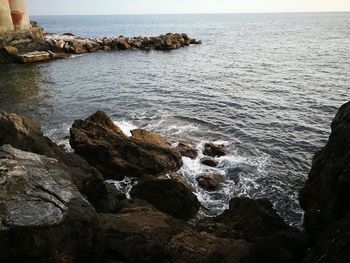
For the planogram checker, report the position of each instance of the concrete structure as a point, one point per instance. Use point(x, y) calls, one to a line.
point(5, 16)
point(13, 15)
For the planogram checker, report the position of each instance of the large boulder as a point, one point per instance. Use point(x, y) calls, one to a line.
point(186, 150)
point(105, 147)
point(326, 194)
point(25, 134)
point(169, 196)
point(43, 217)
point(138, 233)
point(210, 181)
point(215, 150)
point(258, 223)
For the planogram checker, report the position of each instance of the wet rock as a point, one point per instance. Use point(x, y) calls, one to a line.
point(326, 193)
point(26, 135)
point(105, 147)
point(186, 150)
point(138, 233)
point(169, 196)
point(42, 212)
point(210, 181)
point(215, 150)
point(203, 247)
point(147, 136)
point(209, 162)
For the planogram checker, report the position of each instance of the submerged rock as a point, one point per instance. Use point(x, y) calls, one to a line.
point(102, 144)
point(169, 196)
point(210, 181)
point(42, 212)
point(215, 150)
point(209, 162)
point(186, 150)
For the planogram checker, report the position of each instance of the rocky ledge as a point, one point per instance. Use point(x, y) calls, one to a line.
point(34, 45)
point(57, 207)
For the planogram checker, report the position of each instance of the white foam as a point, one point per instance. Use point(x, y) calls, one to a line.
point(125, 126)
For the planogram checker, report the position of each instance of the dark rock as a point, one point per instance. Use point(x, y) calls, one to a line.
point(138, 233)
point(186, 150)
point(25, 134)
point(105, 147)
point(209, 162)
point(258, 223)
point(169, 196)
point(202, 247)
point(147, 136)
point(210, 181)
point(43, 217)
point(215, 150)
point(68, 34)
point(326, 193)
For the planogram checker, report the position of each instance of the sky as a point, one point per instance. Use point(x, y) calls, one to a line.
point(90, 7)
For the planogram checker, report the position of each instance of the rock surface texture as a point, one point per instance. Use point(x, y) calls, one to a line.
point(325, 197)
point(42, 213)
point(105, 147)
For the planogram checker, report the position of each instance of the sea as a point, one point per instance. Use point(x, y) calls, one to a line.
point(265, 85)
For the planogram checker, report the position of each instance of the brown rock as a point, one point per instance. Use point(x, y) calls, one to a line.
point(215, 150)
point(186, 150)
point(143, 135)
point(202, 247)
point(138, 233)
point(210, 181)
point(169, 196)
point(105, 147)
point(122, 44)
point(11, 50)
point(209, 162)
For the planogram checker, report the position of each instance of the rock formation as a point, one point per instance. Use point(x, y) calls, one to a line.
point(105, 147)
point(55, 207)
point(326, 193)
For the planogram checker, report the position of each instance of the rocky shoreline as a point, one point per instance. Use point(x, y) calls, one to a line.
point(57, 206)
point(34, 45)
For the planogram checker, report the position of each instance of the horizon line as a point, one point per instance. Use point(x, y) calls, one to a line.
point(196, 13)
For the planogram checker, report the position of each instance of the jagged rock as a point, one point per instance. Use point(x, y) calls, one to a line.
point(202, 247)
point(43, 217)
point(326, 193)
point(258, 223)
point(209, 162)
point(138, 233)
point(25, 134)
point(210, 181)
point(147, 136)
point(215, 150)
point(102, 144)
point(11, 50)
point(186, 150)
point(169, 196)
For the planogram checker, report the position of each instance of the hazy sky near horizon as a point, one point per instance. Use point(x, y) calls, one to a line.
point(86, 7)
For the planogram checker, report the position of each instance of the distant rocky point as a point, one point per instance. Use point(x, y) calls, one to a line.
point(33, 45)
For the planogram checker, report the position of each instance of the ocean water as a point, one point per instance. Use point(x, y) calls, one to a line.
point(267, 85)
